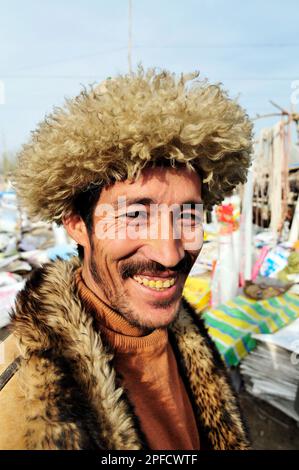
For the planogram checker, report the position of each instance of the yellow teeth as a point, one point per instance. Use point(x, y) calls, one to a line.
point(158, 285)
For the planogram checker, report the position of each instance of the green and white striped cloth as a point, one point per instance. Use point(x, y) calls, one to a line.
point(231, 324)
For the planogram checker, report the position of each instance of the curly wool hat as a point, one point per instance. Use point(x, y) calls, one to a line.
point(112, 131)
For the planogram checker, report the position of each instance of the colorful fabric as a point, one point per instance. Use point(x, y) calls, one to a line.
point(231, 324)
point(197, 292)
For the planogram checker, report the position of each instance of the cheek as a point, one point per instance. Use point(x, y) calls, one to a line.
point(114, 250)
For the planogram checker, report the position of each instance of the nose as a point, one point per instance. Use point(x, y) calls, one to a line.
point(164, 244)
point(166, 252)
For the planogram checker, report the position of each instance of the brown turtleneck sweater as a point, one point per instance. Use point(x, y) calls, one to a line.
point(150, 376)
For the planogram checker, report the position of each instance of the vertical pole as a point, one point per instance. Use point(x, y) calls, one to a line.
point(247, 226)
point(130, 37)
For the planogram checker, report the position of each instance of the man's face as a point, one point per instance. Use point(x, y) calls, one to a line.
point(146, 237)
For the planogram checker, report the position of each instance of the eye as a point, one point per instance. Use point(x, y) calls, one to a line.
point(191, 217)
point(137, 215)
point(136, 212)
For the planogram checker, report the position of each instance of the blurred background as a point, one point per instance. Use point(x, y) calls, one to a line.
point(51, 50)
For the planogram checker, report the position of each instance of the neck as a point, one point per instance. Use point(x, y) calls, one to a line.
point(92, 284)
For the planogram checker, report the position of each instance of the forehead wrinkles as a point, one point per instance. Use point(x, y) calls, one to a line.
point(163, 185)
point(171, 186)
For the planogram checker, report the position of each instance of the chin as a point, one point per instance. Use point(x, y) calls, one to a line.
point(155, 316)
point(151, 308)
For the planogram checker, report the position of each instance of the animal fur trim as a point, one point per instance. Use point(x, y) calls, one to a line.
point(74, 400)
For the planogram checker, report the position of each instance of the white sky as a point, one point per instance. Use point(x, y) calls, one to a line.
point(49, 49)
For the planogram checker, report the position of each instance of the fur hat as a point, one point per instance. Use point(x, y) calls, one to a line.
point(112, 131)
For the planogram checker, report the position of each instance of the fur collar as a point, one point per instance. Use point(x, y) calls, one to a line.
point(74, 399)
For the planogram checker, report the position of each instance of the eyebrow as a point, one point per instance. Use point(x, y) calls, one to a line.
point(146, 201)
point(192, 203)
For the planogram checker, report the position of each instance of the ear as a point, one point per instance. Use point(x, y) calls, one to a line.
point(76, 229)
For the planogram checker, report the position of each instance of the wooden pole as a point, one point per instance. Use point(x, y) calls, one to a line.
point(130, 37)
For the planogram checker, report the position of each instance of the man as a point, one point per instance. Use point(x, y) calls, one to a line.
point(112, 357)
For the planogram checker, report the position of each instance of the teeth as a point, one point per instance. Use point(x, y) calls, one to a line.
point(158, 285)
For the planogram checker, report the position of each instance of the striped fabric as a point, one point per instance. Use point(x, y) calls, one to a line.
point(231, 324)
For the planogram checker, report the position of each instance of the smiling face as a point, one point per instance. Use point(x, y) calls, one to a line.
point(146, 236)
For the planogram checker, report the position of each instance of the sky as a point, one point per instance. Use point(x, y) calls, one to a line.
point(49, 50)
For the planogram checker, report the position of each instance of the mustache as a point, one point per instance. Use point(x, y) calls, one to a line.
point(131, 268)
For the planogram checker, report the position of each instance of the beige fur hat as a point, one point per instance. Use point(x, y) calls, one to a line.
point(112, 131)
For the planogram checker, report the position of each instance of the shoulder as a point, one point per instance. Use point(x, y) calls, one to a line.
point(12, 416)
point(190, 330)
point(9, 359)
point(197, 324)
